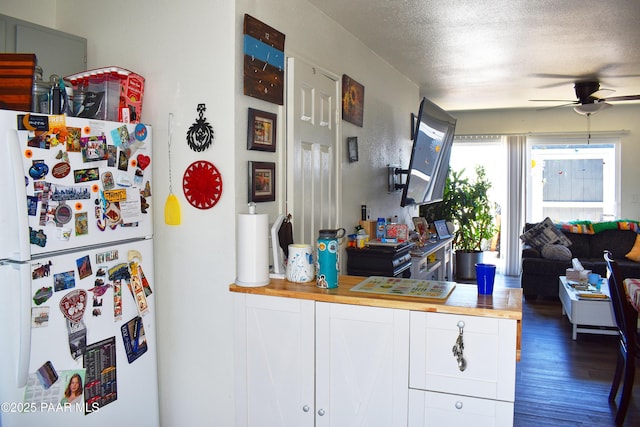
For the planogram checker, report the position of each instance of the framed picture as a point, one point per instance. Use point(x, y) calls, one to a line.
point(442, 229)
point(262, 181)
point(352, 147)
point(352, 100)
point(261, 131)
point(422, 228)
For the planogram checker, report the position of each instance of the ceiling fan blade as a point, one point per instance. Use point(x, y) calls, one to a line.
point(555, 100)
point(557, 106)
point(621, 98)
point(601, 93)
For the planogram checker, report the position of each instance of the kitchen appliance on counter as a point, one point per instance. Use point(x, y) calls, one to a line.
point(77, 302)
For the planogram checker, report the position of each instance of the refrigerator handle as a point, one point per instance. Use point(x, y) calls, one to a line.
point(24, 350)
point(20, 200)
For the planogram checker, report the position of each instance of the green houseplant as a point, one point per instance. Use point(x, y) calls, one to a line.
point(466, 205)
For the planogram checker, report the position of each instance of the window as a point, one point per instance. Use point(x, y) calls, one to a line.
point(572, 180)
point(491, 152)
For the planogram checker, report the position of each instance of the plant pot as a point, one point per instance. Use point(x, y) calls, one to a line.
point(466, 264)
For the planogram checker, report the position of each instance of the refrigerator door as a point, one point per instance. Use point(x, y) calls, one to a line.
point(83, 183)
point(91, 313)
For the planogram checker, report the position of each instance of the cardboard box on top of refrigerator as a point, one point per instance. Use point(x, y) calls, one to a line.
point(108, 93)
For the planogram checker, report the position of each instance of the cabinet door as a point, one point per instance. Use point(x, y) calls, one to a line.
point(274, 345)
point(430, 409)
point(489, 352)
point(362, 359)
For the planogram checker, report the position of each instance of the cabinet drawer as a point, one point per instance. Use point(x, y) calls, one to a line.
point(489, 352)
point(441, 409)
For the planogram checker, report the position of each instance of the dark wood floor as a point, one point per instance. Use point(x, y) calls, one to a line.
point(561, 382)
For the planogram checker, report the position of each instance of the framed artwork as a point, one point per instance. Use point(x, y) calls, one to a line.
point(261, 131)
point(352, 147)
point(263, 61)
point(262, 181)
point(422, 228)
point(352, 101)
point(442, 229)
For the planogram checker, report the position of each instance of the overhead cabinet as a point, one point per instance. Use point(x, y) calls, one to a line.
point(57, 52)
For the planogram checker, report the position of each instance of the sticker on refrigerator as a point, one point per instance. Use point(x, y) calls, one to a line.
point(84, 267)
point(94, 148)
point(47, 374)
point(40, 316)
point(42, 295)
point(64, 280)
point(63, 395)
point(73, 140)
point(101, 386)
point(137, 289)
point(86, 175)
point(81, 224)
point(32, 205)
point(77, 338)
point(117, 300)
point(41, 270)
point(38, 169)
point(37, 237)
point(134, 339)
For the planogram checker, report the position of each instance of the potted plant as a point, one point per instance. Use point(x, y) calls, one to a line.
point(466, 205)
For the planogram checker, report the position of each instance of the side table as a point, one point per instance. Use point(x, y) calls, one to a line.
point(590, 316)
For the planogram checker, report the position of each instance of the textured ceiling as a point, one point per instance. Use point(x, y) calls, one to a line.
point(484, 54)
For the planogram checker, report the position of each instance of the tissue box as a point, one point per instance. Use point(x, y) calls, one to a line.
point(577, 275)
point(573, 274)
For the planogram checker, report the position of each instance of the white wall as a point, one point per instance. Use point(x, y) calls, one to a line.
point(390, 98)
point(185, 50)
point(556, 121)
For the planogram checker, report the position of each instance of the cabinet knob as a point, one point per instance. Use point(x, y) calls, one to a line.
point(305, 408)
point(458, 405)
point(321, 412)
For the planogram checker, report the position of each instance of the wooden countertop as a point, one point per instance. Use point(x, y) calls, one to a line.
point(505, 303)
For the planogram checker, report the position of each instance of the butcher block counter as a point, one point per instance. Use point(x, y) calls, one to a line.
point(309, 356)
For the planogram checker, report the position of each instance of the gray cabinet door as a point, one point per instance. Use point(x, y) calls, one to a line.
point(57, 52)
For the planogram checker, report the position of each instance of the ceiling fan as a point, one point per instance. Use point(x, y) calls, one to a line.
point(591, 98)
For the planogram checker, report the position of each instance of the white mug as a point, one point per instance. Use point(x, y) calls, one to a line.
point(300, 266)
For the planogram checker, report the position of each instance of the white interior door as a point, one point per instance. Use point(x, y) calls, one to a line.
point(312, 146)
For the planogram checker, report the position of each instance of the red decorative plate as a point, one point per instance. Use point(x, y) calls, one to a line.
point(202, 184)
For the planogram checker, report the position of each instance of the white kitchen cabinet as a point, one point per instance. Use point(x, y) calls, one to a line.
point(353, 359)
point(430, 409)
point(433, 261)
point(483, 393)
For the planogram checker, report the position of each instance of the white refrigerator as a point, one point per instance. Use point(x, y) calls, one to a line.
point(77, 296)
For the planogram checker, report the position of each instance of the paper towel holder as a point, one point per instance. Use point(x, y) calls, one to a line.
point(278, 270)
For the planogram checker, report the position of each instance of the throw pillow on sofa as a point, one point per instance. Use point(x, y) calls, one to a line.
point(544, 233)
point(634, 253)
point(556, 252)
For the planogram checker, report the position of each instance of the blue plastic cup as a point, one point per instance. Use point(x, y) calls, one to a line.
point(485, 275)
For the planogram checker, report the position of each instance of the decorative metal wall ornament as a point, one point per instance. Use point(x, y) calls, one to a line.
point(200, 135)
point(202, 184)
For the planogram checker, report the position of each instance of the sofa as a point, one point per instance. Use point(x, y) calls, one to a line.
point(542, 267)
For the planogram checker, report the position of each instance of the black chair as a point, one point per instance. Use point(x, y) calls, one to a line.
point(627, 321)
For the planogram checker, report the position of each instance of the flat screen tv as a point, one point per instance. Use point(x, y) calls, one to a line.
point(429, 164)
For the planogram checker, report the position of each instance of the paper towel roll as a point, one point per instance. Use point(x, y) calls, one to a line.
point(252, 257)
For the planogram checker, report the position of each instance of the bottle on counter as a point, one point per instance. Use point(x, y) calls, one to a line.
point(381, 228)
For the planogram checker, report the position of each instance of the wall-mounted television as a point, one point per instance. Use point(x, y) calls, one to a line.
point(429, 164)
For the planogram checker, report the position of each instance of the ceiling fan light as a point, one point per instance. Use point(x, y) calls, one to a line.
point(586, 109)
